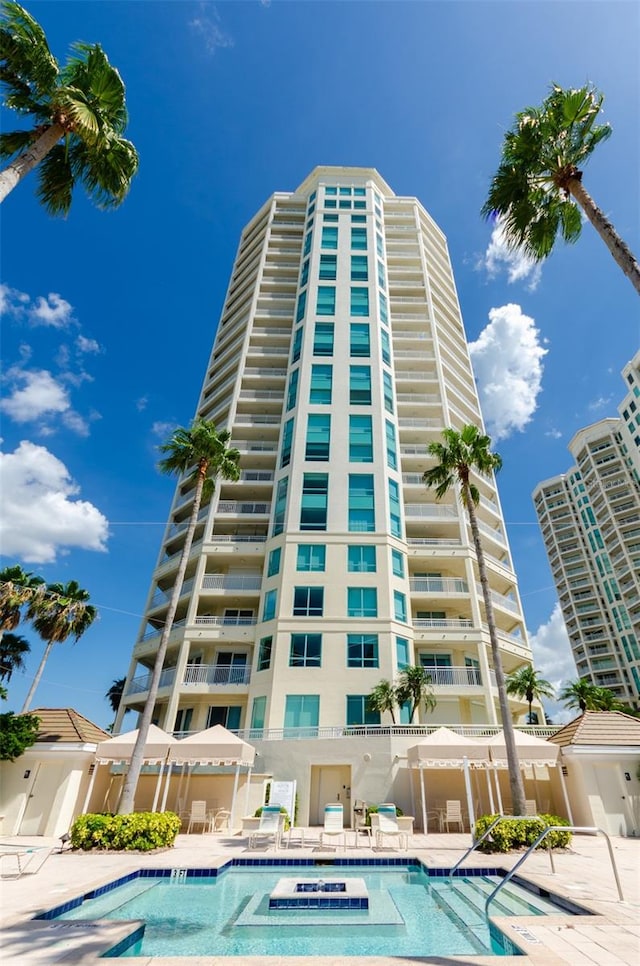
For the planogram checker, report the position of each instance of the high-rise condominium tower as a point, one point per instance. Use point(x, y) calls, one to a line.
point(590, 519)
point(339, 356)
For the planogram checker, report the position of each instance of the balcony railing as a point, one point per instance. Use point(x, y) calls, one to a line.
point(227, 582)
point(436, 623)
point(216, 674)
point(236, 506)
point(438, 585)
point(205, 619)
point(430, 510)
point(164, 596)
point(380, 731)
point(141, 684)
point(156, 631)
point(455, 677)
point(432, 541)
point(509, 603)
point(238, 538)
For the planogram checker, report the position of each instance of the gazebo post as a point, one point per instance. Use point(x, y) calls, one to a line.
point(233, 796)
point(467, 785)
point(96, 765)
point(165, 795)
point(422, 799)
point(498, 793)
point(158, 784)
point(246, 797)
point(487, 772)
point(564, 791)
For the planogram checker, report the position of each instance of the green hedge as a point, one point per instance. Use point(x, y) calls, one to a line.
point(520, 833)
point(139, 831)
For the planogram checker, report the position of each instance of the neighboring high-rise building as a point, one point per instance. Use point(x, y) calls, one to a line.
point(339, 356)
point(590, 520)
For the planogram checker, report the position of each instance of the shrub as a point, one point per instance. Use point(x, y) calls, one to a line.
point(283, 811)
point(520, 833)
point(371, 809)
point(139, 831)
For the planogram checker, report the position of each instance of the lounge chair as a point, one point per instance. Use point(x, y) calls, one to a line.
point(388, 825)
point(271, 822)
point(199, 816)
point(221, 820)
point(16, 861)
point(333, 822)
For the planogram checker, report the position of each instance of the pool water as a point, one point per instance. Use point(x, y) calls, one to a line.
point(411, 913)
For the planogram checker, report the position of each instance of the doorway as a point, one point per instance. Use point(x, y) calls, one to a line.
point(329, 783)
point(41, 798)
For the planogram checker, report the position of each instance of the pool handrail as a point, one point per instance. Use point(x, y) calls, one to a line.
point(590, 830)
point(475, 844)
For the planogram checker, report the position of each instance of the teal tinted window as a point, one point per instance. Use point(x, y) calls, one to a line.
point(323, 339)
point(258, 709)
point(362, 650)
point(382, 278)
point(307, 244)
point(302, 302)
point(384, 314)
point(281, 506)
point(344, 203)
point(402, 653)
point(359, 192)
point(400, 606)
point(304, 275)
point(318, 437)
point(392, 449)
point(311, 557)
point(360, 385)
point(359, 712)
point(359, 301)
point(379, 245)
point(326, 301)
point(359, 268)
point(321, 385)
point(394, 509)
point(358, 219)
point(297, 345)
point(330, 236)
point(287, 439)
point(361, 503)
point(329, 218)
point(386, 347)
point(274, 562)
point(397, 563)
point(264, 653)
point(388, 391)
point(308, 601)
point(269, 609)
point(362, 602)
point(306, 650)
point(331, 190)
point(328, 267)
point(292, 394)
point(313, 508)
point(360, 439)
point(360, 341)
point(361, 559)
point(330, 203)
point(301, 711)
point(359, 239)
point(344, 191)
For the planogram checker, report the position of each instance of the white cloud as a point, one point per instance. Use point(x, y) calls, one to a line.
point(40, 519)
point(142, 403)
point(554, 433)
point(500, 257)
point(553, 659)
point(37, 397)
point(507, 361)
point(87, 345)
point(164, 430)
point(207, 24)
point(52, 311)
point(600, 403)
point(11, 300)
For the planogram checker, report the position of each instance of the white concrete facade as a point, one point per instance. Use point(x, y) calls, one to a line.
point(339, 355)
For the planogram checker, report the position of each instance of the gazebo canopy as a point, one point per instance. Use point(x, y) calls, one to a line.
point(531, 750)
point(446, 749)
point(120, 748)
point(215, 746)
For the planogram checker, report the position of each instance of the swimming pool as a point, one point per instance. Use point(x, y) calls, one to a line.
point(412, 910)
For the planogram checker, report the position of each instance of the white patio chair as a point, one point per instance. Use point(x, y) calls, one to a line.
point(333, 822)
point(388, 825)
point(198, 816)
point(530, 806)
point(16, 861)
point(453, 814)
point(271, 822)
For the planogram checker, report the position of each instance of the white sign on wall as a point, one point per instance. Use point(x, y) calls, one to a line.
point(284, 794)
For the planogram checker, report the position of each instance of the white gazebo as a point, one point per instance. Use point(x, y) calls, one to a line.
point(120, 749)
point(532, 751)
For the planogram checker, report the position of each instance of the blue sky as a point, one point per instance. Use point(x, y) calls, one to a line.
point(108, 318)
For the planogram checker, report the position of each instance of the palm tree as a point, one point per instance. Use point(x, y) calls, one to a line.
point(64, 611)
point(581, 694)
point(414, 687)
point(17, 588)
point(461, 454)
point(539, 179)
point(526, 683)
point(203, 450)
point(78, 115)
point(115, 692)
point(13, 648)
point(383, 698)
point(607, 701)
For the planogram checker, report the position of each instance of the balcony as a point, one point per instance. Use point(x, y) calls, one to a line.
point(238, 538)
point(237, 506)
point(206, 619)
point(441, 623)
point(438, 585)
point(141, 684)
point(458, 677)
point(156, 631)
point(430, 511)
point(164, 596)
point(230, 582)
point(216, 674)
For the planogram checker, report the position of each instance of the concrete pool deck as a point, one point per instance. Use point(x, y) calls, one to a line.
point(608, 937)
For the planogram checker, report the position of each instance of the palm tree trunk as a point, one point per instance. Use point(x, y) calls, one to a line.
point(29, 159)
point(36, 680)
point(515, 776)
point(137, 756)
point(618, 248)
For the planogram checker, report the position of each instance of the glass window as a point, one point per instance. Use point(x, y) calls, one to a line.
point(330, 236)
point(360, 439)
point(392, 448)
point(397, 563)
point(304, 275)
point(362, 602)
point(344, 191)
point(226, 715)
point(382, 277)
point(313, 508)
point(307, 244)
point(302, 302)
point(388, 391)
point(360, 385)
point(400, 606)
point(361, 503)
point(359, 192)
point(343, 203)
point(360, 343)
point(394, 509)
point(183, 720)
point(359, 712)
point(384, 315)
point(321, 385)
point(386, 346)
point(331, 190)
point(359, 239)
point(359, 301)
point(287, 440)
point(358, 219)
point(258, 709)
point(281, 506)
point(361, 558)
point(330, 203)
point(362, 650)
point(318, 437)
point(402, 653)
point(359, 204)
point(326, 302)
point(323, 339)
point(329, 218)
point(297, 345)
point(306, 650)
point(301, 711)
point(328, 267)
point(308, 601)
point(264, 653)
point(292, 394)
point(311, 557)
point(269, 609)
point(359, 268)
point(274, 562)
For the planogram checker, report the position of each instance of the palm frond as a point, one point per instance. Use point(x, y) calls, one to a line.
point(56, 181)
point(14, 142)
point(30, 70)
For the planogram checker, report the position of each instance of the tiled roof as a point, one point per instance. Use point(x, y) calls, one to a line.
point(600, 728)
point(65, 724)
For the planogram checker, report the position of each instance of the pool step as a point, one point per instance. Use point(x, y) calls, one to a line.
point(517, 897)
point(466, 918)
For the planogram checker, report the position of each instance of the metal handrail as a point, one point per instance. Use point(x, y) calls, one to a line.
point(475, 845)
point(555, 828)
